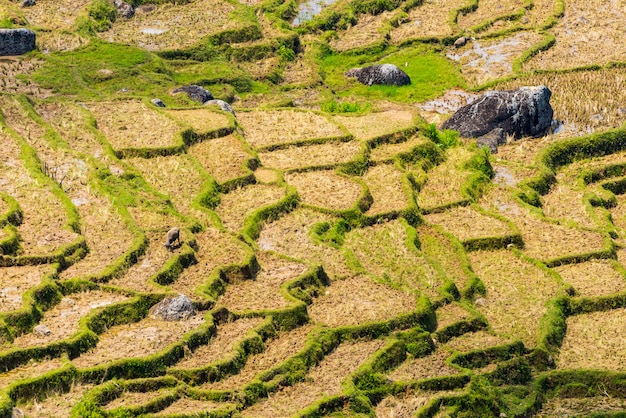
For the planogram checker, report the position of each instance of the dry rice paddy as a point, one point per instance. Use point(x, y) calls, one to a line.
point(326, 189)
point(184, 405)
point(368, 31)
point(29, 371)
point(223, 158)
point(59, 405)
point(200, 120)
point(386, 152)
point(593, 278)
point(467, 223)
point(14, 281)
point(387, 185)
point(489, 10)
point(56, 15)
point(236, 206)
point(587, 406)
point(327, 154)
point(431, 19)
point(377, 124)
point(433, 365)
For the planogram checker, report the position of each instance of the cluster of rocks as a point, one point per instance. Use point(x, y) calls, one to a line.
point(198, 94)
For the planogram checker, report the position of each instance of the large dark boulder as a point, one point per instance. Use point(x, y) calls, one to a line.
point(523, 112)
point(195, 93)
point(387, 74)
point(16, 41)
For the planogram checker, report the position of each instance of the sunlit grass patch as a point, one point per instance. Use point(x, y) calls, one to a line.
point(565, 202)
point(326, 189)
point(266, 128)
point(432, 365)
point(593, 278)
point(56, 405)
point(387, 187)
point(132, 124)
point(55, 14)
point(431, 19)
point(264, 292)
point(237, 205)
point(323, 380)
point(224, 158)
point(14, 281)
point(326, 154)
point(584, 406)
point(359, 300)
point(465, 223)
point(375, 124)
point(517, 292)
point(387, 151)
point(594, 341)
point(266, 175)
point(201, 120)
point(369, 30)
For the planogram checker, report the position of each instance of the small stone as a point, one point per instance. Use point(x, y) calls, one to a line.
point(28, 3)
point(222, 105)
point(479, 302)
point(173, 309)
point(158, 102)
point(195, 93)
point(17, 413)
point(461, 41)
point(42, 330)
point(124, 9)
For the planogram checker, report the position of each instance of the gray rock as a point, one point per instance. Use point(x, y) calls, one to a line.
point(461, 41)
point(195, 93)
point(158, 102)
point(222, 105)
point(17, 413)
point(16, 41)
point(387, 74)
point(124, 9)
point(173, 309)
point(523, 112)
point(28, 3)
point(42, 330)
point(492, 140)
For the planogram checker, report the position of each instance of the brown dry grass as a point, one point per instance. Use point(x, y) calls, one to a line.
point(131, 399)
point(289, 235)
point(56, 15)
point(386, 152)
point(10, 67)
point(62, 320)
point(511, 173)
point(391, 119)
point(590, 32)
point(444, 182)
point(14, 281)
point(540, 12)
point(140, 339)
point(220, 347)
point(593, 278)
point(487, 10)
point(325, 189)
point(322, 380)
point(260, 69)
point(201, 120)
point(276, 351)
point(359, 300)
point(408, 403)
point(516, 294)
point(265, 128)
point(565, 202)
point(189, 405)
point(594, 341)
point(300, 72)
point(265, 175)
point(369, 30)
point(132, 124)
point(384, 252)
point(183, 25)
point(237, 205)
point(329, 153)
point(150, 220)
point(524, 151)
point(429, 20)
point(31, 370)
point(478, 340)
point(467, 223)
point(386, 185)
point(618, 213)
point(56, 41)
point(451, 313)
point(587, 406)
point(433, 365)
point(216, 248)
point(264, 291)
point(224, 158)
point(585, 101)
point(56, 405)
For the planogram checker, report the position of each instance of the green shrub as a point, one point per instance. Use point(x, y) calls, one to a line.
point(444, 139)
point(333, 106)
point(103, 14)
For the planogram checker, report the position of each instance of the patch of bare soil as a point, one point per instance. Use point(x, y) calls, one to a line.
point(14, 281)
point(201, 120)
point(386, 152)
point(189, 405)
point(325, 189)
point(431, 19)
point(593, 278)
point(387, 185)
point(322, 380)
point(290, 235)
point(265, 128)
point(375, 124)
point(407, 404)
point(173, 26)
point(132, 124)
point(587, 406)
point(11, 67)
point(264, 292)
point(277, 350)
point(478, 340)
point(56, 405)
point(55, 15)
point(594, 341)
point(359, 300)
point(133, 399)
point(516, 294)
point(62, 321)
point(29, 371)
point(327, 154)
point(216, 248)
point(220, 347)
point(369, 30)
point(237, 205)
point(141, 339)
point(432, 365)
point(224, 158)
point(466, 223)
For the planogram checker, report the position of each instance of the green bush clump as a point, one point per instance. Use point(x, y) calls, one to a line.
point(103, 14)
point(444, 139)
point(333, 106)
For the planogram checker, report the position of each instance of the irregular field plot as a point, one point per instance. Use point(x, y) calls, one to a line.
point(376, 124)
point(266, 128)
point(432, 365)
point(55, 406)
point(173, 26)
point(228, 337)
point(322, 380)
point(408, 403)
point(63, 319)
point(14, 281)
point(594, 341)
point(224, 158)
point(237, 205)
point(132, 124)
point(466, 223)
point(564, 202)
point(593, 278)
point(429, 20)
point(516, 294)
point(189, 405)
point(488, 10)
point(300, 72)
point(30, 371)
point(264, 292)
point(130, 399)
point(387, 151)
point(60, 42)
point(141, 339)
point(201, 120)
point(386, 185)
point(588, 406)
point(359, 300)
point(478, 340)
point(55, 14)
point(277, 350)
point(369, 30)
point(326, 189)
point(327, 154)
point(450, 314)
